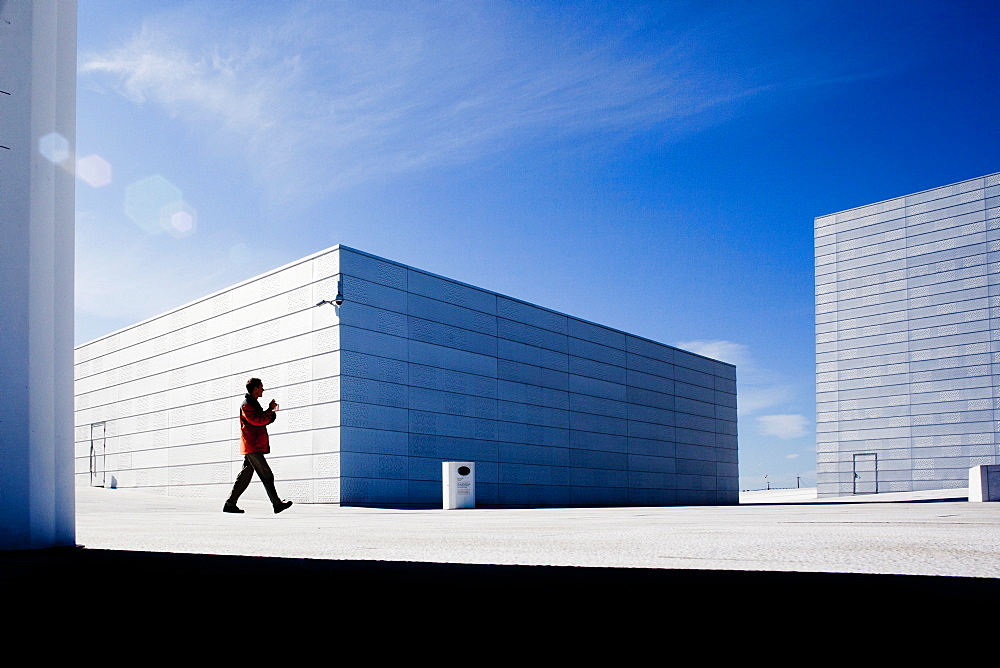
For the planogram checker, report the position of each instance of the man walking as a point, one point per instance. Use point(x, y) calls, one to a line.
point(255, 444)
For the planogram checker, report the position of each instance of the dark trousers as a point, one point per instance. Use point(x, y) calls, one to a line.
point(255, 462)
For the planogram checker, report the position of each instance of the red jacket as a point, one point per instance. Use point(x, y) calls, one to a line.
point(253, 426)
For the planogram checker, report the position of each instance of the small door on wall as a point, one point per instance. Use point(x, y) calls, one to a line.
point(866, 473)
point(97, 455)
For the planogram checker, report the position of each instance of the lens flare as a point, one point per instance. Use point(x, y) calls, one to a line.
point(178, 219)
point(94, 170)
point(151, 203)
point(54, 147)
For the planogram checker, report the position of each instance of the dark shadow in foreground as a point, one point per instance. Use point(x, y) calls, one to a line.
point(390, 602)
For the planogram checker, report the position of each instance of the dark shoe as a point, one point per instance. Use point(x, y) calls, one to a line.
point(231, 508)
point(284, 505)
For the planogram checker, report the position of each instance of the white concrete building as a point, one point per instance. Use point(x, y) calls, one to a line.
point(412, 370)
point(908, 341)
point(37, 143)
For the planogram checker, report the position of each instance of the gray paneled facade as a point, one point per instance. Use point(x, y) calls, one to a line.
point(412, 370)
point(908, 340)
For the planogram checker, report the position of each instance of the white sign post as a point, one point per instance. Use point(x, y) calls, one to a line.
point(458, 485)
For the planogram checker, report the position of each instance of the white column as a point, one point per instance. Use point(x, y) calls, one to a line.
point(38, 98)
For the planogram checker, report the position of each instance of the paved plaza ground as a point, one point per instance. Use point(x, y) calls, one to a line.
point(953, 538)
point(588, 577)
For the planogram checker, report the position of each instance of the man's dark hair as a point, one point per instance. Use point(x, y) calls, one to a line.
point(254, 382)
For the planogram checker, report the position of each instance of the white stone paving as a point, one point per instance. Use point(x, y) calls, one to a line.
point(944, 538)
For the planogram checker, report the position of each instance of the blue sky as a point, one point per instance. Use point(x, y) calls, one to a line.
point(655, 167)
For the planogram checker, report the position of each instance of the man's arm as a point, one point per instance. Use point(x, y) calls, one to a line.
point(256, 417)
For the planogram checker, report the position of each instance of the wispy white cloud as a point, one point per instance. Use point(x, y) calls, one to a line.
point(783, 426)
point(330, 95)
point(763, 395)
